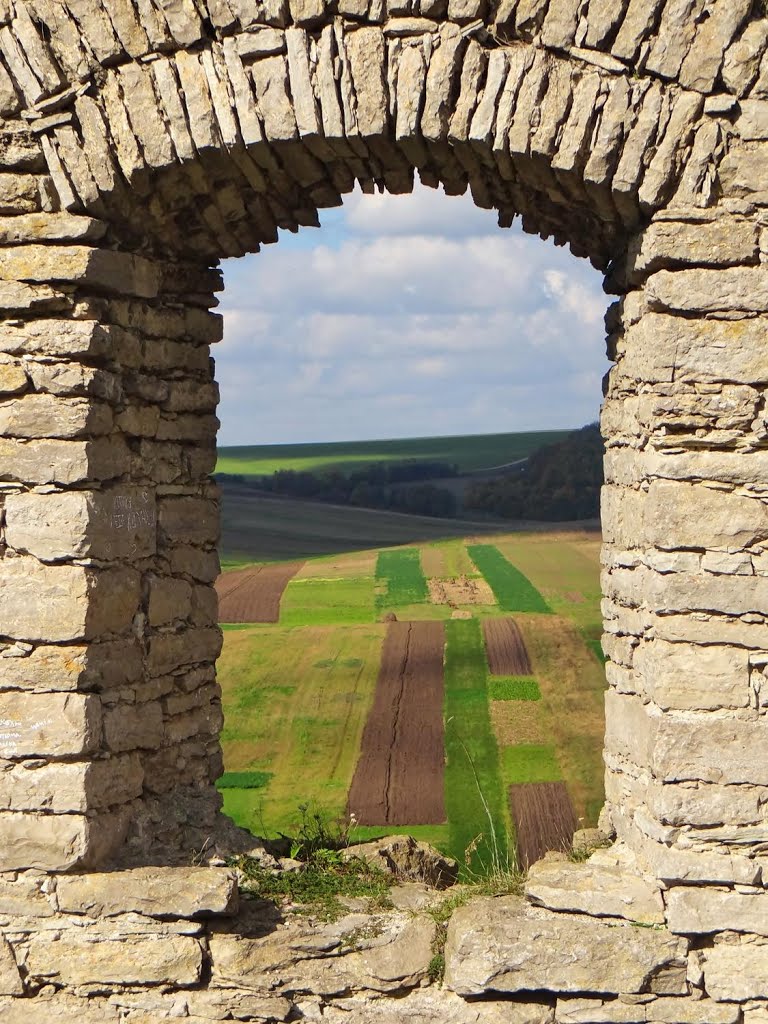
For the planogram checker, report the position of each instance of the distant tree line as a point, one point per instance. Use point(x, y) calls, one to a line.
point(559, 482)
point(381, 485)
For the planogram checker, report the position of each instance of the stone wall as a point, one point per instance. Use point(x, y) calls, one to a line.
point(143, 140)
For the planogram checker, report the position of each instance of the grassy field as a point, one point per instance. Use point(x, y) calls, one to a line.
point(469, 453)
point(475, 799)
point(296, 694)
point(512, 589)
point(295, 701)
point(400, 579)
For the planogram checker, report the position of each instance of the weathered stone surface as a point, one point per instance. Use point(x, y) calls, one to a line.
point(407, 858)
point(353, 954)
point(106, 525)
point(692, 911)
point(659, 1011)
point(736, 971)
point(54, 725)
point(502, 946)
point(131, 960)
point(60, 603)
point(57, 842)
point(154, 892)
point(10, 979)
point(100, 268)
point(598, 888)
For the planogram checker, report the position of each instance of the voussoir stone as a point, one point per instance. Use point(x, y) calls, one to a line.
point(503, 945)
point(600, 889)
point(155, 892)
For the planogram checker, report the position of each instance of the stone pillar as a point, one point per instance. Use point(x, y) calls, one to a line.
point(108, 618)
point(685, 583)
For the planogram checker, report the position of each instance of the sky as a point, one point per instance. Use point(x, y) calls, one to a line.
point(408, 316)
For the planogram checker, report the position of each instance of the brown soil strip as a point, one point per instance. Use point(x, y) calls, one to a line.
point(253, 594)
point(544, 819)
point(461, 591)
point(505, 647)
point(399, 775)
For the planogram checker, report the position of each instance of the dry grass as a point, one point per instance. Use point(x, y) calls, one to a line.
point(518, 722)
point(355, 566)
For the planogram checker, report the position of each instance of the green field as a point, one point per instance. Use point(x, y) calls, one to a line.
point(401, 581)
point(296, 694)
point(513, 591)
point(469, 453)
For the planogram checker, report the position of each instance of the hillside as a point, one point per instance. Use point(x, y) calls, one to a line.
point(468, 452)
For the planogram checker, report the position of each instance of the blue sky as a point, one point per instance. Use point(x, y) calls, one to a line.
point(407, 316)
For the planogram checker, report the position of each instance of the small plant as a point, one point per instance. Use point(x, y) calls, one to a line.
point(436, 968)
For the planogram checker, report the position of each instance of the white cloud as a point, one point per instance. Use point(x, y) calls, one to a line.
point(403, 325)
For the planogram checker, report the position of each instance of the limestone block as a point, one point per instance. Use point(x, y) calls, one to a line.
point(675, 865)
point(699, 911)
point(189, 520)
point(687, 677)
point(169, 599)
point(18, 194)
point(22, 895)
point(134, 726)
point(659, 1011)
point(13, 379)
point(705, 57)
point(736, 971)
point(103, 269)
point(210, 1004)
point(51, 787)
point(59, 1009)
point(694, 350)
point(50, 227)
point(289, 962)
point(742, 58)
point(10, 979)
point(695, 803)
point(307, 12)
point(47, 416)
point(741, 172)
point(559, 28)
point(710, 749)
point(51, 725)
point(664, 244)
point(595, 889)
point(709, 291)
point(43, 669)
point(133, 960)
point(57, 842)
point(119, 523)
point(155, 892)
point(500, 945)
point(365, 50)
point(170, 651)
point(60, 603)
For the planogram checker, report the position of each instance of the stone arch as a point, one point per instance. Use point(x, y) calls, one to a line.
point(145, 139)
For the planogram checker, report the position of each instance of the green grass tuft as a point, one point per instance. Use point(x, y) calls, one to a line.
point(530, 762)
point(513, 688)
point(401, 574)
point(244, 780)
point(513, 591)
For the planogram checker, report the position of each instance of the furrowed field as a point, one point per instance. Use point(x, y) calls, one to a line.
point(500, 725)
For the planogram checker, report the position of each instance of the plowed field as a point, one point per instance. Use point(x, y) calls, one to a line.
point(505, 647)
point(544, 819)
point(253, 594)
point(399, 776)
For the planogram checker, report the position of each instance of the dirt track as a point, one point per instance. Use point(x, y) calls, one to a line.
point(399, 775)
point(505, 647)
point(253, 595)
point(544, 819)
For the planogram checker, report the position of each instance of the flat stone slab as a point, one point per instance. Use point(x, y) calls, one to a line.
point(505, 945)
point(598, 887)
point(155, 892)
